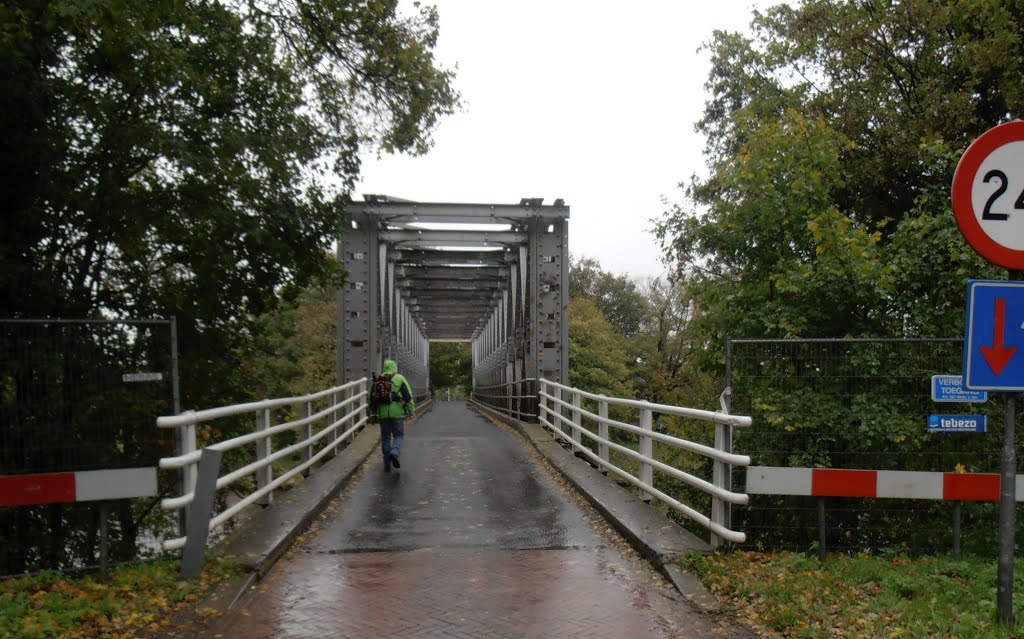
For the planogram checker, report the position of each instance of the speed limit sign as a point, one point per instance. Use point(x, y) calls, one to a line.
point(988, 195)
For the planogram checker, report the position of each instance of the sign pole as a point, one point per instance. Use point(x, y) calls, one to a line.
point(1007, 505)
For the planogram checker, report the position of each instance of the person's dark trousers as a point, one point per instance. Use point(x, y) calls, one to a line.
point(392, 433)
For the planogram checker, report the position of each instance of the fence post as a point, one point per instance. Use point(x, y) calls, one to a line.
point(956, 528)
point(556, 419)
point(719, 477)
point(362, 388)
point(264, 448)
point(577, 424)
point(307, 434)
point(186, 445)
point(646, 450)
point(542, 388)
point(602, 432)
point(822, 531)
point(199, 514)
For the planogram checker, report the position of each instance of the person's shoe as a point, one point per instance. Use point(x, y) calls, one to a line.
point(387, 465)
point(394, 461)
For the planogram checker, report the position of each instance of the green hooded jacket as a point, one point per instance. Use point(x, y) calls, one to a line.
point(399, 385)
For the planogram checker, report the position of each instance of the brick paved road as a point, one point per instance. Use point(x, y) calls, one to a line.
point(472, 538)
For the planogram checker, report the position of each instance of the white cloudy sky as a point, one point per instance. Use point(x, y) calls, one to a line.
point(592, 102)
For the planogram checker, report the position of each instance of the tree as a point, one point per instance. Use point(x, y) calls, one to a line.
point(451, 365)
point(616, 295)
point(832, 135)
point(191, 158)
point(598, 361)
point(178, 158)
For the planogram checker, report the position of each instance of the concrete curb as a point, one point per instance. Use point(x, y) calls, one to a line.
point(268, 534)
point(660, 540)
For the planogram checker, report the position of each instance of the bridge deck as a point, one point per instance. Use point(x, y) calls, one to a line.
point(473, 537)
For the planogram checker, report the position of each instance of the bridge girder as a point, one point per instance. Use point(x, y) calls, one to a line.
point(498, 278)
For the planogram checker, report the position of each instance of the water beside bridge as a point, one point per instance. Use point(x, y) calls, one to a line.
point(473, 537)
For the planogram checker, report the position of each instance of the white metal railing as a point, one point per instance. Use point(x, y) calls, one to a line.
point(343, 416)
point(553, 409)
point(517, 398)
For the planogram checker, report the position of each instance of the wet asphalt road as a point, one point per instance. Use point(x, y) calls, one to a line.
point(472, 537)
point(464, 483)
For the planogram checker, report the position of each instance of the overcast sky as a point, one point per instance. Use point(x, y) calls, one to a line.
point(594, 103)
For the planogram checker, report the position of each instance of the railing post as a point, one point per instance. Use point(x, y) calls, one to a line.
point(718, 478)
point(542, 388)
point(602, 432)
point(556, 420)
point(334, 425)
point(186, 445)
point(264, 448)
point(307, 434)
point(577, 424)
point(647, 450)
point(362, 388)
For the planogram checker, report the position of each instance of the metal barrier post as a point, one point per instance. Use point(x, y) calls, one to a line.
point(199, 514)
point(718, 478)
point(186, 445)
point(264, 447)
point(307, 434)
point(557, 408)
point(647, 450)
point(542, 388)
point(602, 432)
point(577, 424)
point(332, 439)
point(362, 408)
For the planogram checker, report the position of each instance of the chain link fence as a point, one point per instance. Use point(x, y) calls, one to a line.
point(78, 395)
point(857, 404)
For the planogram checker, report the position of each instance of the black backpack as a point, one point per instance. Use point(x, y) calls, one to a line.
point(381, 391)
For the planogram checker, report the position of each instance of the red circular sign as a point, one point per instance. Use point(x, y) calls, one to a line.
point(988, 195)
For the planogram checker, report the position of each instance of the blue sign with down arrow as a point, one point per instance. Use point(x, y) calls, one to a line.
point(994, 344)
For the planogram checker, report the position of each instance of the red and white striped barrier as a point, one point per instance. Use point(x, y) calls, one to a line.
point(893, 484)
point(88, 485)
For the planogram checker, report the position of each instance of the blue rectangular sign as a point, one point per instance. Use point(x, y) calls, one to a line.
point(950, 388)
point(994, 344)
point(957, 423)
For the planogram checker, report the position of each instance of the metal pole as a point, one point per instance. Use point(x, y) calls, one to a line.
point(957, 510)
point(104, 538)
point(822, 531)
point(1007, 519)
point(179, 433)
point(1007, 505)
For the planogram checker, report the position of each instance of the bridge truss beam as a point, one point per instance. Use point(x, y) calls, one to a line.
point(495, 275)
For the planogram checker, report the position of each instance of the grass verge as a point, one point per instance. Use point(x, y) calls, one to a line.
point(136, 600)
point(793, 595)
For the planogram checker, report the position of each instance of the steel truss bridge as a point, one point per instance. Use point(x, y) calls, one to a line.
point(493, 274)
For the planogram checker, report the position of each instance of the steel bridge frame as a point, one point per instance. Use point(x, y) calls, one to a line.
point(493, 274)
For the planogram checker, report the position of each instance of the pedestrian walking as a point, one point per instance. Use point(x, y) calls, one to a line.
point(390, 401)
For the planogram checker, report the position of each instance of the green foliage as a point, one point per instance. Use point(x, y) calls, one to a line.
point(597, 359)
point(451, 365)
point(295, 350)
point(617, 296)
point(832, 135)
point(189, 158)
point(136, 599)
point(861, 596)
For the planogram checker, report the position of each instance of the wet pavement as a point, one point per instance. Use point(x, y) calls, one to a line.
point(472, 537)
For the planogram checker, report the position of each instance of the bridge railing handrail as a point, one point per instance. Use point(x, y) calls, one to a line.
point(552, 405)
point(342, 418)
point(515, 404)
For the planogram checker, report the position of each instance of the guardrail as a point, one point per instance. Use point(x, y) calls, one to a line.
point(552, 413)
point(344, 414)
